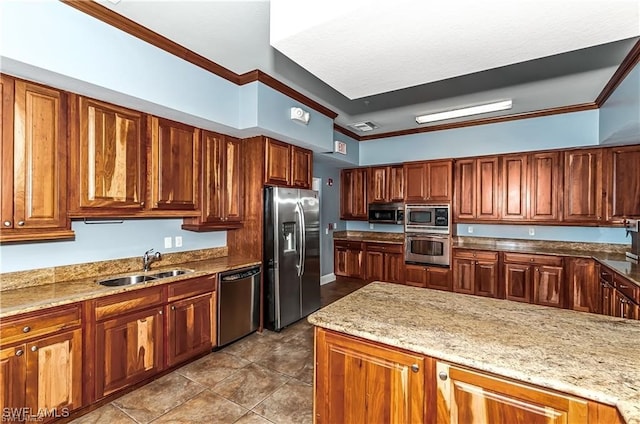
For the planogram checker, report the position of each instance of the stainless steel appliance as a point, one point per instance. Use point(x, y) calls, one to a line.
point(291, 255)
point(238, 304)
point(427, 219)
point(633, 230)
point(386, 213)
point(427, 249)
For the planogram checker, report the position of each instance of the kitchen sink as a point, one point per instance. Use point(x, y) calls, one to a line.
point(125, 281)
point(171, 273)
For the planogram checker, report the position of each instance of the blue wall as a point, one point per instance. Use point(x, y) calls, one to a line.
point(620, 114)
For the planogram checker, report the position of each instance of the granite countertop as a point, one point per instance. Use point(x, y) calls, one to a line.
point(587, 355)
point(56, 293)
point(369, 236)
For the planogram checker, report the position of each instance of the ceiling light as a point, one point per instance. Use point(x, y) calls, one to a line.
point(364, 126)
point(466, 111)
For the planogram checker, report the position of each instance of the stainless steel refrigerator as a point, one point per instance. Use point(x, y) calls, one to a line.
point(291, 255)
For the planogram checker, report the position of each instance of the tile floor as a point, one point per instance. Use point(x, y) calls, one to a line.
point(263, 378)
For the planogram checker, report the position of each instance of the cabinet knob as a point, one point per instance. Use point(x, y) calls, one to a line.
point(20, 223)
point(26, 329)
point(173, 308)
point(160, 312)
point(19, 352)
point(34, 348)
point(531, 260)
point(622, 286)
point(7, 223)
point(142, 204)
point(443, 376)
point(415, 368)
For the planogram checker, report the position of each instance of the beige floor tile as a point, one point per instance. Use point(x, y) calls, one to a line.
point(250, 385)
point(253, 418)
point(251, 348)
point(290, 404)
point(105, 414)
point(289, 358)
point(213, 368)
point(158, 397)
point(206, 407)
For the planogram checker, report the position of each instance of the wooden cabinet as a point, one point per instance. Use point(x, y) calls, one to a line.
point(222, 184)
point(583, 196)
point(623, 183)
point(431, 277)
point(108, 165)
point(584, 291)
point(348, 259)
point(385, 184)
point(476, 189)
point(359, 381)
point(384, 262)
point(301, 167)
point(620, 297)
point(41, 362)
point(353, 194)
point(34, 162)
point(534, 279)
point(465, 396)
point(287, 165)
point(430, 181)
point(476, 272)
point(174, 166)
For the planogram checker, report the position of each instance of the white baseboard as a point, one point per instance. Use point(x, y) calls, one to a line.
point(327, 278)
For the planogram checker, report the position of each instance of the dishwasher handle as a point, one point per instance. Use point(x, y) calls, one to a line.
point(239, 275)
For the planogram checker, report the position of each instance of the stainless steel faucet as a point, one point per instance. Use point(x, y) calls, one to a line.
point(148, 258)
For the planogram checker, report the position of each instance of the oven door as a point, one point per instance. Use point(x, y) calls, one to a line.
point(427, 249)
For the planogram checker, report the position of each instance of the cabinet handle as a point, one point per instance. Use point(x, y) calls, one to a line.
point(26, 329)
point(34, 348)
point(7, 223)
point(20, 223)
point(415, 368)
point(531, 260)
point(159, 312)
point(19, 352)
point(142, 204)
point(622, 286)
point(173, 308)
point(443, 376)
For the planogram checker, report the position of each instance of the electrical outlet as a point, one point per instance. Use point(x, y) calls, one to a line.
point(178, 241)
point(532, 231)
point(167, 242)
point(470, 229)
point(371, 226)
point(326, 231)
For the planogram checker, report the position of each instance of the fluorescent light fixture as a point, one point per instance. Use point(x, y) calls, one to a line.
point(466, 111)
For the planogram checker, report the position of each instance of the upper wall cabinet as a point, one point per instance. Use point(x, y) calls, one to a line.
point(583, 197)
point(430, 181)
point(385, 184)
point(287, 165)
point(476, 189)
point(174, 165)
point(353, 194)
point(301, 167)
point(623, 183)
point(34, 162)
point(222, 181)
point(108, 159)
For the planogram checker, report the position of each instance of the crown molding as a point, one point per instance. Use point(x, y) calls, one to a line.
point(346, 132)
point(629, 62)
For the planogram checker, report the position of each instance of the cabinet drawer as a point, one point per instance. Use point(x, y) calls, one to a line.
point(628, 288)
point(127, 302)
point(524, 258)
point(40, 323)
point(191, 287)
point(384, 247)
point(481, 255)
point(356, 245)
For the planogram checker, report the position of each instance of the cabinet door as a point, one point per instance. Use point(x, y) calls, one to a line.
point(623, 188)
point(548, 286)
point(469, 397)
point(394, 267)
point(396, 183)
point(54, 372)
point(301, 167)
point(348, 261)
point(188, 328)
point(544, 186)
point(465, 193)
point(415, 182)
point(440, 180)
point(623, 307)
point(109, 157)
point(464, 275)
point(374, 266)
point(439, 278)
point(175, 164)
point(340, 261)
point(353, 194)
point(40, 159)
point(6, 151)
point(377, 184)
point(584, 287)
point(583, 185)
point(517, 281)
point(514, 187)
point(486, 283)
point(13, 371)
point(415, 275)
point(608, 299)
point(362, 382)
point(128, 350)
point(233, 180)
point(277, 163)
point(487, 188)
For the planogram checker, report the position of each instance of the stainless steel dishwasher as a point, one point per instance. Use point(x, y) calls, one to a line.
point(238, 304)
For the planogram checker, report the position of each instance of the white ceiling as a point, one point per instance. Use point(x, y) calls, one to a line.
point(388, 61)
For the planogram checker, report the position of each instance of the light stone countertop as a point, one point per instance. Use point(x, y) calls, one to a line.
point(588, 355)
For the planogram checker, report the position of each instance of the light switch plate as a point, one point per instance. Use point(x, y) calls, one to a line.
point(167, 242)
point(532, 231)
point(178, 241)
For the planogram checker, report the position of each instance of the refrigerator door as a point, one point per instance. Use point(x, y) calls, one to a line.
point(310, 279)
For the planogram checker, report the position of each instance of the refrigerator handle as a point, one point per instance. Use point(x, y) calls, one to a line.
point(303, 230)
point(300, 227)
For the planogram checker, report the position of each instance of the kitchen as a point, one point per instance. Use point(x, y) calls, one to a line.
point(111, 241)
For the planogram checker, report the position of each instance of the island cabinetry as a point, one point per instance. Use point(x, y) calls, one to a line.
point(384, 262)
point(623, 183)
point(583, 195)
point(359, 381)
point(584, 291)
point(108, 166)
point(222, 184)
point(34, 162)
point(534, 279)
point(385, 184)
point(431, 277)
point(41, 362)
point(430, 181)
point(287, 165)
point(476, 189)
point(476, 272)
point(620, 297)
point(348, 259)
point(467, 396)
point(353, 194)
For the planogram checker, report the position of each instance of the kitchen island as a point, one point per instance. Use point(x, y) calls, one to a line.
point(591, 360)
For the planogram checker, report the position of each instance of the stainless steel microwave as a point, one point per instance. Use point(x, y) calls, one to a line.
point(386, 213)
point(427, 219)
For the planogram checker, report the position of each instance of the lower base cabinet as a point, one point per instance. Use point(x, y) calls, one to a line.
point(384, 262)
point(361, 381)
point(431, 277)
point(189, 328)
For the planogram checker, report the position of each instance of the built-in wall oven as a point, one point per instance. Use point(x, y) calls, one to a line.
point(427, 234)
